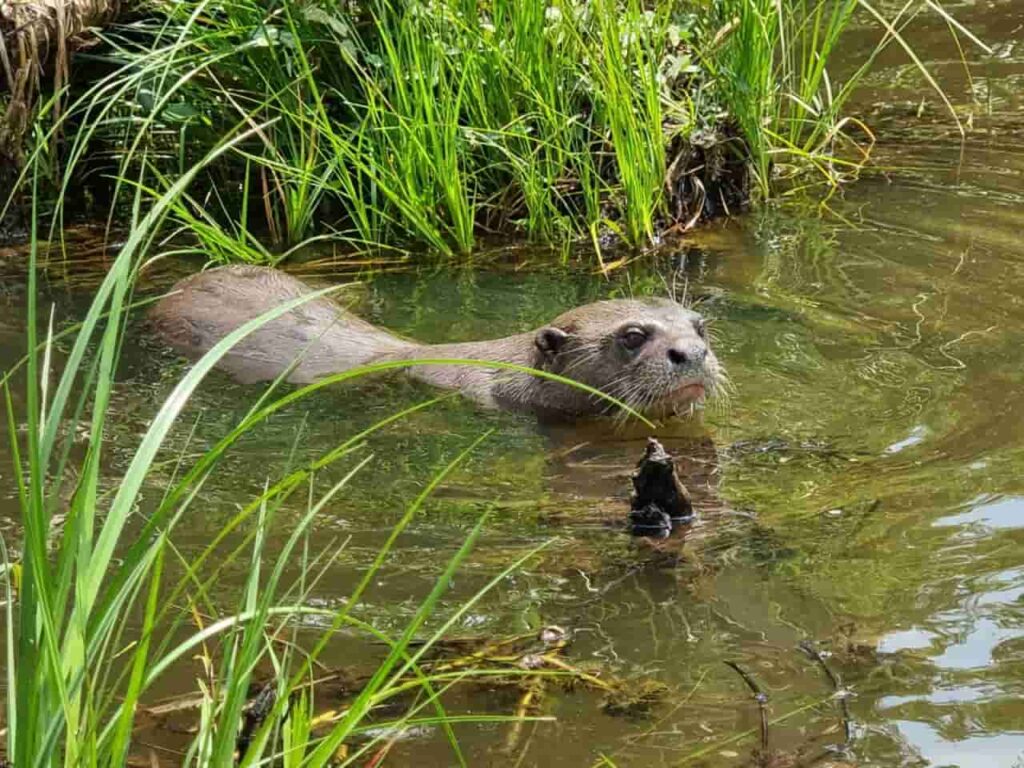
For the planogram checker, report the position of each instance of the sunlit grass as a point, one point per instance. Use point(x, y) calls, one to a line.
point(435, 125)
point(91, 618)
point(773, 64)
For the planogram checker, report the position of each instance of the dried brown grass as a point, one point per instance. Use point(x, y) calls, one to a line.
point(36, 40)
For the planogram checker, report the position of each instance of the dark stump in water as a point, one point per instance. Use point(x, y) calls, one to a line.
point(660, 500)
point(253, 715)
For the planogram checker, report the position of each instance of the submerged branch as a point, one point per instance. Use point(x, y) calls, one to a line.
point(760, 697)
point(841, 694)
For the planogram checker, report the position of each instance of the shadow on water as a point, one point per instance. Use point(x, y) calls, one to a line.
point(861, 490)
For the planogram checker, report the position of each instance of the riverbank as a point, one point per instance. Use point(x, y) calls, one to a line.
point(440, 124)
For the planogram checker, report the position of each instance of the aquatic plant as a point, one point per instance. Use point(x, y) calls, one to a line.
point(92, 620)
point(434, 122)
point(100, 604)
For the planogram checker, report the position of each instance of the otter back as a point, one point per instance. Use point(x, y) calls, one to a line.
point(319, 337)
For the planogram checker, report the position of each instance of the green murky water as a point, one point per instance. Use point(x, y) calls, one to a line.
point(863, 489)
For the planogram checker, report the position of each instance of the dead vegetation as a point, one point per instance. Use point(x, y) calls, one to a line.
point(37, 38)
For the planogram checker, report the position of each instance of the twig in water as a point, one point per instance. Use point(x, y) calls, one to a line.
point(532, 694)
point(760, 697)
point(253, 715)
point(842, 695)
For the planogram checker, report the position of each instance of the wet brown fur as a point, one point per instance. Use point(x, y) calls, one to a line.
point(320, 337)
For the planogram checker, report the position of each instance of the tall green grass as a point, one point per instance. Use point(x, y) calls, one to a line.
point(93, 620)
point(100, 604)
point(773, 64)
point(407, 122)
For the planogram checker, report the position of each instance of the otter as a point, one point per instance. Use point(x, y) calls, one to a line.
point(652, 354)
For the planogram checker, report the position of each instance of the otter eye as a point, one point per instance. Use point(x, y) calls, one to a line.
point(634, 338)
point(702, 328)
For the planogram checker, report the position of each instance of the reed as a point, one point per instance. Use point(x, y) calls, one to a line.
point(773, 65)
point(92, 618)
point(407, 122)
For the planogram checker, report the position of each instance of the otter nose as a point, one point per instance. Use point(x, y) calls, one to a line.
point(690, 354)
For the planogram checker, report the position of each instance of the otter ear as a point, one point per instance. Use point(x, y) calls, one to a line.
point(550, 340)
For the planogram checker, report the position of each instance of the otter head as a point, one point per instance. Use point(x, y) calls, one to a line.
point(652, 354)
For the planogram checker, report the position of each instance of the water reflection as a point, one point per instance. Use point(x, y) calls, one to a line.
point(966, 752)
point(988, 515)
point(916, 437)
point(969, 648)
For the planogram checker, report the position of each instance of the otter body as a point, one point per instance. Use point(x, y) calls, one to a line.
point(652, 354)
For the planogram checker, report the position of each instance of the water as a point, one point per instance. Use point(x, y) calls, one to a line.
point(862, 489)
